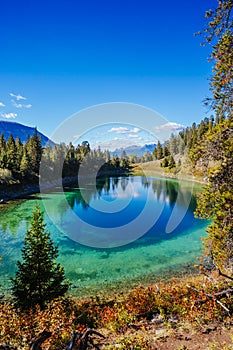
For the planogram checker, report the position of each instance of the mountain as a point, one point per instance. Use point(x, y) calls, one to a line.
point(137, 150)
point(21, 131)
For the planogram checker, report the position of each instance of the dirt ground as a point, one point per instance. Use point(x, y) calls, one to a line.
point(214, 337)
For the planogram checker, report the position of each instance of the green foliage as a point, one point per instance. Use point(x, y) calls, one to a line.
point(168, 162)
point(11, 154)
point(22, 161)
point(216, 200)
point(219, 33)
point(39, 278)
point(33, 148)
point(215, 150)
point(159, 151)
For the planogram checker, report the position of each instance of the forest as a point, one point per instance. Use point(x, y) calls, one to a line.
point(21, 162)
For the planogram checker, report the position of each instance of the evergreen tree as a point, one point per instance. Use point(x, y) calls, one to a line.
point(2, 152)
point(155, 153)
point(166, 150)
point(11, 154)
point(19, 153)
point(180, 144)
point(173, 144)
point(34, 151)
point(219, 33)
point(24, 164)
point(171, 162)
point(159, 151)
point(216, 149)
point(39, 278)
point(164, 163)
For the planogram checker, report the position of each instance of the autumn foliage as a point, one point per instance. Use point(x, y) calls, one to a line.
point(185, 301)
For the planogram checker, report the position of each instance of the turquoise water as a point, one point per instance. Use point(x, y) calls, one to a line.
point(132, 229)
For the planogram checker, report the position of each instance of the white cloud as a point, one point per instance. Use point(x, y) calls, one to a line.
point(117, 143)
point(135, 130)
point(134, 136)
point(17, 97)
point(2, 104)
point(119, 130)
point(124, 130)
point(20, 105)
point(170, 126)
point(8, 115)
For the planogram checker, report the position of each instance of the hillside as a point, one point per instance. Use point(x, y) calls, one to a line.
point(21, 131)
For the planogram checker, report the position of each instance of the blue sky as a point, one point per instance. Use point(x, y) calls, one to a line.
point(58, 57)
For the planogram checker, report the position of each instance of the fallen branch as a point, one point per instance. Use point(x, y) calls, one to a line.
point(7, 347)
point(36, 344)
point(79, 341)
point(224, 275)
point(213, 297)
point(148, 315)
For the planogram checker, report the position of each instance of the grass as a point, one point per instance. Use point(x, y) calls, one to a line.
point(153, 168)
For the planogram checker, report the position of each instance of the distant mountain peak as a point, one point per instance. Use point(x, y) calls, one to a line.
point(134, 149)
point(21, 131)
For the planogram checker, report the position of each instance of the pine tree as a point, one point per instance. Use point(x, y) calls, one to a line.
point(11, 154)
point(166, 151)
point(171, 162)
point(159, 151)
point(2, 152)
point(39, 278)
point(216, 148)
point(173, 145)
point(34, 151)
point(155, 153)
point(25, 164)
point(19, 153)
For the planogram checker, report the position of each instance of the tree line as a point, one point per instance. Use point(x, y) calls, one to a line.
point(22, 161)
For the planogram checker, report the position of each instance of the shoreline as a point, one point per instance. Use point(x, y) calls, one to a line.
point(141, 170)
point(20, 191)
point(122, 287)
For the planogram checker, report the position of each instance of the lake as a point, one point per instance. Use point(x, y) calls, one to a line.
point(113, 232)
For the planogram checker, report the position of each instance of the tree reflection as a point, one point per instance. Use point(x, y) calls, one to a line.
point(18, 212)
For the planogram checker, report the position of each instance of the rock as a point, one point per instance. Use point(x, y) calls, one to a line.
point(157, 319)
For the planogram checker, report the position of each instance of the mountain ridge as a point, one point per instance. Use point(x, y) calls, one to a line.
point(137, 150)
point(22, 131)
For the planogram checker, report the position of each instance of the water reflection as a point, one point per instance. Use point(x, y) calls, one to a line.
point(164, 190)
point(108, 189)
point(151, 254)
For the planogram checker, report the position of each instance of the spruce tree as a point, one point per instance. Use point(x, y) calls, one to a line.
point(24, 164)
point(2, 152)
point(216, 149)
point(11, 154)
point(159, 151)
point(39, 278)
point(34, 151)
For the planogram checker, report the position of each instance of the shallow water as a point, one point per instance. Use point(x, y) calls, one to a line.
point(163, 236)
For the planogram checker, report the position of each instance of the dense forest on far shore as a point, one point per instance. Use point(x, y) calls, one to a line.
point(20, 163)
